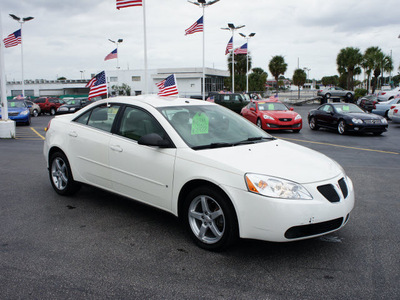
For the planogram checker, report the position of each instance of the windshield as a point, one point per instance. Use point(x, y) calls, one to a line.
point(271, 106)
point(72, 102)
point(348, 108)
point(16, 104)
point(212, 126)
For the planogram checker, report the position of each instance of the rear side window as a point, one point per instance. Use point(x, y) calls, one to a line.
point(100, 117)
point(40, 100)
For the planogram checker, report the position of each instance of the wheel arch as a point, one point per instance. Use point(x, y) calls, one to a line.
point(190, 185)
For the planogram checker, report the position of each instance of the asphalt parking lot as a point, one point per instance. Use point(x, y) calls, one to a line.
point(97, 245)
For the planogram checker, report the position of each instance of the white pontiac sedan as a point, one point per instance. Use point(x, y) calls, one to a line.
point(221, 175)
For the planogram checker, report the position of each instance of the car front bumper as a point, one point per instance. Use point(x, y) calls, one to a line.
point(283, 220)
point(282, 125)
point(366, 128)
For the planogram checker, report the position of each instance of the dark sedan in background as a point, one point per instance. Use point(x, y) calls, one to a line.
point(346, 117)
point(72, 105)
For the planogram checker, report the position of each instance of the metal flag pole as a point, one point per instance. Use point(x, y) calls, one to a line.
point(247, 58)
point(4, 105)
point(145, 48)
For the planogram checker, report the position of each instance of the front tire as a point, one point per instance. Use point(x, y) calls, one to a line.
point(61, 176)
point(210, 219)
point(341, 127)
point(52, 111)
point(313, 124)
point(259, 123)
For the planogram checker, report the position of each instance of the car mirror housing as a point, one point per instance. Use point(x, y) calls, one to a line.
point(155, 140)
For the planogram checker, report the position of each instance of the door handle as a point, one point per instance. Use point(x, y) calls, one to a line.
point(116, 148)
point(73, 134)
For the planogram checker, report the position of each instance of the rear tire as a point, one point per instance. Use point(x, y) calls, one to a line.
point(61, 176)
point(35, 113)
point(210, 218)
point(52, 111)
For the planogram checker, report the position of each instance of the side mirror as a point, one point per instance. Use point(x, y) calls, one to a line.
point(252, 109)
point(154, 140)
point(291, 109)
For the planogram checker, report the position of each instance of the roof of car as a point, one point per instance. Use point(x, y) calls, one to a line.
point(156, 101)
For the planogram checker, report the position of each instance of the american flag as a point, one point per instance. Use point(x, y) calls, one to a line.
point(13, 39)
point(112, 55)
point(167, 87)
point(229, 46)
point(128, 3)
point(196, 27)
point(242, 49)
point(98, 85)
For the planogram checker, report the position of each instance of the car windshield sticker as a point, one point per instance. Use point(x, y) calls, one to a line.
point(12, 104)
point(346, 108)
point(271, 106)
point(199, 124)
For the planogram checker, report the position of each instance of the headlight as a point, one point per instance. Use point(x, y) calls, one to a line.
point(276, 187)
point(268, 117)
point(25, 112)
point(357, 121)
point(61, 108)
point(298, 117)
point(384, 121)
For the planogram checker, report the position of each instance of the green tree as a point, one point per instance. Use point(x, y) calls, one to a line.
point(368, 62)
point(349, 61)
point(240, 71)
point(124, 89)
point(330, 80)
point(277, 66)
point(299, 79)
point(257, 80)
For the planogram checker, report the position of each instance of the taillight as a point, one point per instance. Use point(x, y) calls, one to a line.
point(48, 126)
point(383, 93)
point(393, 106)
point(396, 111)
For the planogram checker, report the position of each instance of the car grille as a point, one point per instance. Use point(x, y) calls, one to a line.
point(313, 229)
point(372, 121)
point(13, 114)
point(285, 119)
point(329, 192)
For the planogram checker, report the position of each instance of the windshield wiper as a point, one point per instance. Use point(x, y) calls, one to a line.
point(212, 145)
point(252, 140)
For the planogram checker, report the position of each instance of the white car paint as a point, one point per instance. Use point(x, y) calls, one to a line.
point(156, 176)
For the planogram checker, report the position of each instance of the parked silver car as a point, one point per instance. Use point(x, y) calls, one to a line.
point(388, 95)
point(336, 92)
point(382, 108)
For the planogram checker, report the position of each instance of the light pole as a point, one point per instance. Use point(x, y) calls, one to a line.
point(308, 71)
point(247, 63)
point(22, 21)
point(116, 43)
point(203, 4)
point(232, 28)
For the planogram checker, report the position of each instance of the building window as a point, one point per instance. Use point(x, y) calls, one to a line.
point(113, 79)
point(136, 78)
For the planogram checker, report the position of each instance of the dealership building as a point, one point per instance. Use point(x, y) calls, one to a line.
point(189, 82)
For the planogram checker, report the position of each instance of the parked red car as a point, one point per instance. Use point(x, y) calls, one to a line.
point(49, 105)
point(272, 115)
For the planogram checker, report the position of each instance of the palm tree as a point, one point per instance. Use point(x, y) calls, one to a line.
point(368, 62)
point(277, 66)
point(240, 71)
point(349, 61)
point(299, 79)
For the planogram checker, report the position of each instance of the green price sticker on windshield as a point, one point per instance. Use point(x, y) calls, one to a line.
point(346, 108)
point(271, 107)
point(199, 124)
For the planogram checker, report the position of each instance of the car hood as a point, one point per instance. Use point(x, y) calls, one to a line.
point(275, 158)
point(19, 109)
point(281, 114)
point(364, 116)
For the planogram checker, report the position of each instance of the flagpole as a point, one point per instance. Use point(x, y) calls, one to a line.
point(4, 105)
point(204, 68)
point(145, 48)
point(22, 65)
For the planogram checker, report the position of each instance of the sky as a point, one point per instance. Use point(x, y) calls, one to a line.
point(70, 36)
